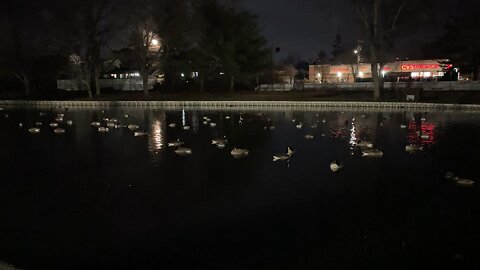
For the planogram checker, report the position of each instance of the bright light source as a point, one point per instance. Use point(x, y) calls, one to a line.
point(339, 74)
point(355, 52)
point(182, 75)
point(319, 75)
point(155, 42)
point(360, 74)
point(384, 72)
point(221, 73)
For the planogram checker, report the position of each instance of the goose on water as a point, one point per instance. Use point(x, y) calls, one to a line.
point(282, 157)
point(59, 130)
point(219, 140)
point(372, 153)
point(183, 151)
point(335, 166)
point(309, 137)
point(411, 148)
point(133, 127)
point(34, 130)
point(139, 133)
point(239, 152)
point(364, 144)
point(176, 143)
point(463, 182)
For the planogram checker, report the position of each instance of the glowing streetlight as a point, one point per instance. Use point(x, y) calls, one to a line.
point(155, 42)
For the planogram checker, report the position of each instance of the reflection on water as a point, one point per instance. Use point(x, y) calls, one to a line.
point(156, 138)
point(422, 133)
point(184, 118)
point(353, 137)
point(209, 210)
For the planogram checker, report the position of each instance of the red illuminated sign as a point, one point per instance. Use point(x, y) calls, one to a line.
point(420, 66)
point(335, 70)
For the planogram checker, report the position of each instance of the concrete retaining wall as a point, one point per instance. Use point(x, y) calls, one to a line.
point(247, 105)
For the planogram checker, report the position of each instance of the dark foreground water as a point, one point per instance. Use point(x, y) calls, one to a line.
point(87, 200)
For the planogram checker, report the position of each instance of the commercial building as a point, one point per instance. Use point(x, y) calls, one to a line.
point(394, 71)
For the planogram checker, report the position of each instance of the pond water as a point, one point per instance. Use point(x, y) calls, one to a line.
point(86, 199)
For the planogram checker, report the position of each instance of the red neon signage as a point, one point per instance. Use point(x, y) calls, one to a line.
point(346, 70)
point(420, 66)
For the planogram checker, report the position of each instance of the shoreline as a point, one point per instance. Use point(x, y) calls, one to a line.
point(245, 105)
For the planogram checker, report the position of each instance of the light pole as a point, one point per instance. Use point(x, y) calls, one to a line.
point(358, 51)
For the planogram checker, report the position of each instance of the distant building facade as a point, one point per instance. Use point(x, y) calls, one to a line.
point(394, 71)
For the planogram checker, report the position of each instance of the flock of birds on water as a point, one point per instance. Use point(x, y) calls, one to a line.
point(367, 148)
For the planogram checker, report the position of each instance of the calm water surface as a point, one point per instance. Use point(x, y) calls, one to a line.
point(86, 200)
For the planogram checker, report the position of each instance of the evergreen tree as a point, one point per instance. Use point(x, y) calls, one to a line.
point(460, 43)
point(230, 44)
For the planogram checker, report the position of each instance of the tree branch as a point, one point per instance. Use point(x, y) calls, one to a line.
point(397, 15)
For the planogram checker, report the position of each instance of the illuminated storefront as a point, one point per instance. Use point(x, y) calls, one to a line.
point(420, 69)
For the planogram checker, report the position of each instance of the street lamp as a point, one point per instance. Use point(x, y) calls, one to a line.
point(358, 51)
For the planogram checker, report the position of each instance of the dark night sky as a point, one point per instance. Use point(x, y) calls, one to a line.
point(306, 26)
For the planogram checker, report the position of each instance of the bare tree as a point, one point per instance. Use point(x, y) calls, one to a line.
point(380, 19)
point(145, 42)
point(24, 41)
point(88, 29)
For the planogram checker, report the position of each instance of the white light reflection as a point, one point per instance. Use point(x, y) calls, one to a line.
point(157, 137)
point(353, 135)
point(184, 118)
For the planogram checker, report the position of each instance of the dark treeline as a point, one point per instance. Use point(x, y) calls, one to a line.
point(194, 44)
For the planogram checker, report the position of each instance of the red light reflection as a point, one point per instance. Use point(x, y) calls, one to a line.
point(424, 128)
